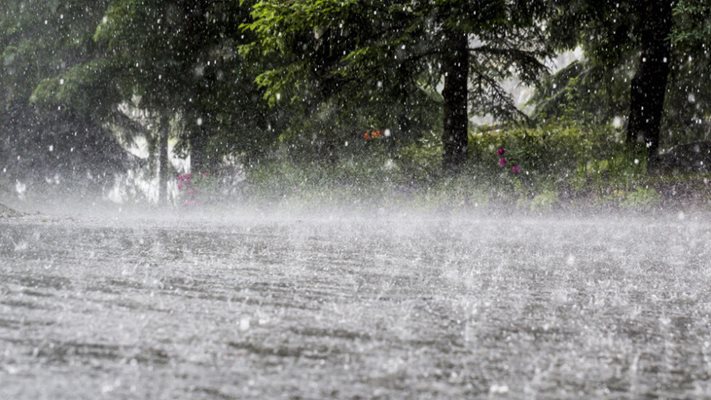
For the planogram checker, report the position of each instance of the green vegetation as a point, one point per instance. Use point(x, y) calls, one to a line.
point(559, 166)
point(363, 97)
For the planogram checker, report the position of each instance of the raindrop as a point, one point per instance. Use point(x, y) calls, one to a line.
point(20, 188)
point(244, 324)
point(498, 389)
point(21, 246)
point(570, 261)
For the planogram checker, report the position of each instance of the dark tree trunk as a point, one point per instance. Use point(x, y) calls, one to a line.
point(649, 84)
point(456, 122)
point(163, 163)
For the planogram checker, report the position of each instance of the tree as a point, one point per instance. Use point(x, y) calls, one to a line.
point(689, 105)
point(652, 41)
point(371, 50)
point(649, 84)
point(174, 60)
point(38, 40)
point(180, 57)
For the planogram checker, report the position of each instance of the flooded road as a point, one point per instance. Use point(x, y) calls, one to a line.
point(355, 308)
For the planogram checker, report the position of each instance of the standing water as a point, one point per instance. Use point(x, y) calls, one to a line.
point(348, 306)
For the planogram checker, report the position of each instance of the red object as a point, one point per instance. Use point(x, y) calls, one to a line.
point(516, 169)
point(501, 151)
point(185, 177)
point(502, 162)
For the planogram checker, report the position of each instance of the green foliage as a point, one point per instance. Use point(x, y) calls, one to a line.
point(83, 88)
point(552, 150)
point(383, 59)
point(695, 29)
point(545, 200)
point(289, 87)
point(561, 166)
point(39, 39)
point(46, 144)
point(640, 198)
point(583, 92)
point(180, 58)
point(421, 160)
point(596, 90)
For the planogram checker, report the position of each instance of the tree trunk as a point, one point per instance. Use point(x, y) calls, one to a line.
point(163, 163)
point(455, 136)
point(649, 84)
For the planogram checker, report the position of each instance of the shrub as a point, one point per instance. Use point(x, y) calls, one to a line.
point(533, 168)
point(564, 158)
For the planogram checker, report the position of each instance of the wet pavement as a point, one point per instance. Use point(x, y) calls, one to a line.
point(355, 307)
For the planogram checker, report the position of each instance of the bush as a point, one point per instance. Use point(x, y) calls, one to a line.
point(641, 198)
point(569, 159)
point(545, 168)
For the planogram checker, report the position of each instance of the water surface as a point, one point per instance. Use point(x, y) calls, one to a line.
point(357, 306)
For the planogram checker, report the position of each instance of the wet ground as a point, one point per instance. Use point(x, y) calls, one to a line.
point(355, 307)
